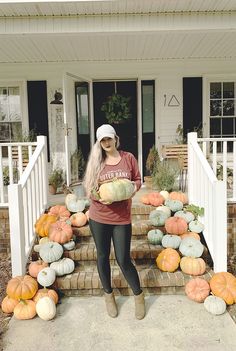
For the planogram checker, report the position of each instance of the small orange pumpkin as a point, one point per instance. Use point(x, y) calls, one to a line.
point(78, 219)
point(193, 266)
point(223, 284)
point(145, 200)
point(61, 232)
point(43, 223)
point(178, 195)
point(35, 267)
point(155, 199)
point(60, 212)
point(8, 304)
point(22, 287)
point(197, 289)
point(46, 292)
point(176, 225)
point(168, 260)
point(25, 309)
point(190, 235)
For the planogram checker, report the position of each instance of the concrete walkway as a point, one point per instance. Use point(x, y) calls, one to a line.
point(173, 322)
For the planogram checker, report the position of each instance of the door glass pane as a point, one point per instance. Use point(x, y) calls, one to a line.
point(215, 90)
point(82, 107)
point(148, 108)
point(227, 127)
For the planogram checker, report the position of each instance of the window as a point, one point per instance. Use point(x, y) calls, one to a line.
point(10, 113)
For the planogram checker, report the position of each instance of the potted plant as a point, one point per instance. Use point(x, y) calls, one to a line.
point(117, 109)
point(165, 175)
point(152, 161)
point(56, 179)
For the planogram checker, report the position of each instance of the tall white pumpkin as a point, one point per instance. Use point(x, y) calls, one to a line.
point(46, 308)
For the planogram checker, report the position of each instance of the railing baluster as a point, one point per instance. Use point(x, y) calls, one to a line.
point(234, 169)
point(225, 160)
point(2, 197)
point(214, 155)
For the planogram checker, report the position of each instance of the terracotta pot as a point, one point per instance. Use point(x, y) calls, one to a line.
point(52, 189)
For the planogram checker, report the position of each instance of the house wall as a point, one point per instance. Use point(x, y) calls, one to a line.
point(168, 75)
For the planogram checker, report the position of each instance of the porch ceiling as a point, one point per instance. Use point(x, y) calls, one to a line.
point(60, 31)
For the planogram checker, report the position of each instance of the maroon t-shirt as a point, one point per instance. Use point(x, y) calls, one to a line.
point(118, 212)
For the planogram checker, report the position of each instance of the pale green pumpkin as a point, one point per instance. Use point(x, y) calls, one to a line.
point(63, 266)
point(155, 236)
point(174, 205)
point(172, 241)
point(196, 226)
point(215, 305)
point(157, 218)
point(116, 190)
point(186, 215)
point(191, 247)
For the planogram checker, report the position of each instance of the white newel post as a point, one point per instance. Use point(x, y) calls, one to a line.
point(16, 227)
point(192, 138)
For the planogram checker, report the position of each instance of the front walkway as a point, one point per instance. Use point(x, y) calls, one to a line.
point(172, 323)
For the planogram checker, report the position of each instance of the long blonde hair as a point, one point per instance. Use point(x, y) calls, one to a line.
point(94, 166)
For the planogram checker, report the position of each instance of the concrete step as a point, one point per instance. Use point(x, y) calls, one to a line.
point(153, 281)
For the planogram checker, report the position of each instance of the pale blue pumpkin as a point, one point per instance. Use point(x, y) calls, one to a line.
point(155, 236)
point(186, 215)
point(174, 205)
point(164, 209)
point(157, 218)
point(172, 241)
point(196, 226)
point(191, 247)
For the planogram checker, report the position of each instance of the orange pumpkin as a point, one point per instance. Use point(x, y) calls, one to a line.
point(223, 285)
point(197, 289)
point(78, 219)
point(43, 223)
point(22, 287)
point(155, 199)
point(193, 266)
point(35, 267)
point(145, 200)
point(168, 260)
point(46, 292)
point(60, 212)
point(178, 195)
point(176, 225)
point(25, 309)
point(61, 232)
point(8, 304)
point(190, 235)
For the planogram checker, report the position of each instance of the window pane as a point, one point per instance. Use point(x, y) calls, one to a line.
point(227, 127)
point(82, 108)
point(228, 107)
point(148, 111)
point(215, 106)
point(4, 113)
point(4, 132)
point(215, 90)
point(14, 104)
point(228, 90)
point(215, 127)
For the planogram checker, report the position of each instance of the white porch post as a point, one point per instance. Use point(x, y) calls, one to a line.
point(16, 226)
point(42, 140)
point(192, 138)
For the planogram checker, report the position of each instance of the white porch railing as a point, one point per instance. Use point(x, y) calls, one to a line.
point(205, 190)
point(27, 200)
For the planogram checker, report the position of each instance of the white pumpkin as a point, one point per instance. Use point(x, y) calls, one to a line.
point(46, 308)
point(186, 215)
point(165, 194)
point(74, 204)
point(164, 209)
point(196, 226)
point(46, 277)
point(44, 240)
point(50, 251)
point(69, 245)
point(215, 305)
point(155, 236)
point(63, 266)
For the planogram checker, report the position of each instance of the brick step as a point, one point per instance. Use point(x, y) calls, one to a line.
point(153, 281)
point(140, 249)
point(139, 230)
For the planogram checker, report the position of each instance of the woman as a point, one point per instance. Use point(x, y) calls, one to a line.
point(112, 221)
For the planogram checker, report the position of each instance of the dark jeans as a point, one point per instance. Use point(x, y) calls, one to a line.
point(121, 237)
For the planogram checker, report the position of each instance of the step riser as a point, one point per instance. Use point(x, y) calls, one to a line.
point(170, 290)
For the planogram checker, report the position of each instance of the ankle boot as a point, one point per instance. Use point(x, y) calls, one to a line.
point(139, 306)
point(111, 304)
